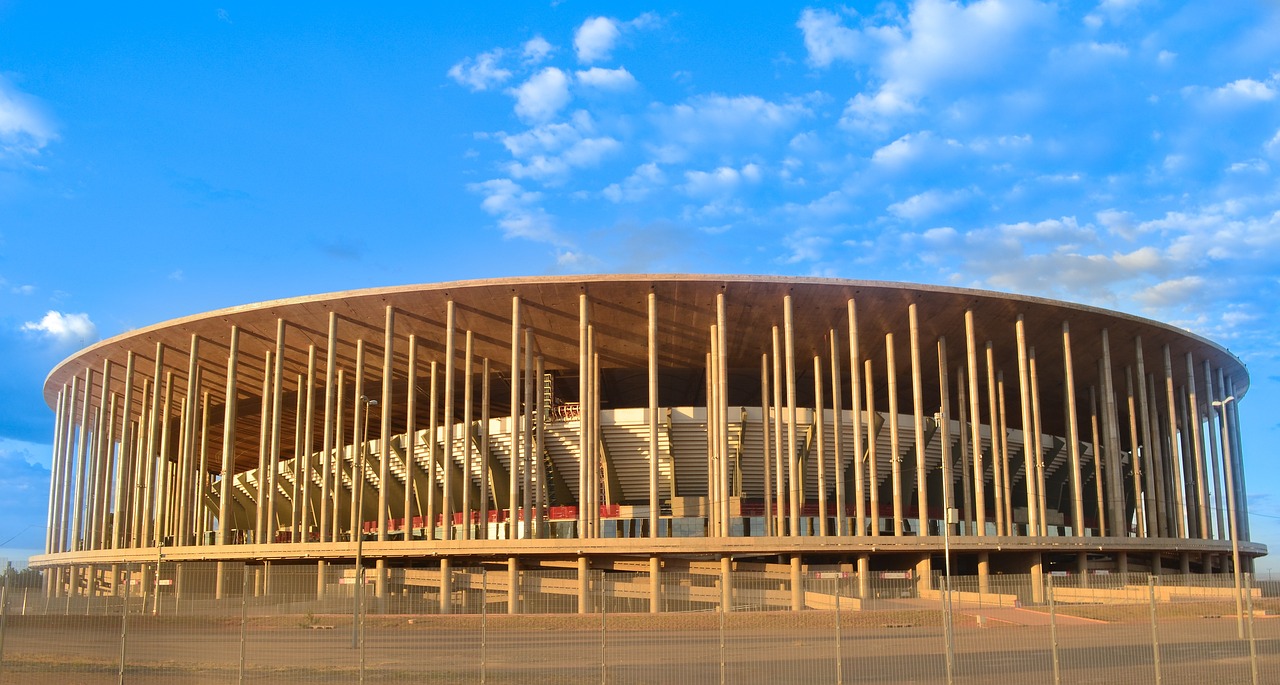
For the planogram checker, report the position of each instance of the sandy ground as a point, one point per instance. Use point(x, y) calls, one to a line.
point(873, 647)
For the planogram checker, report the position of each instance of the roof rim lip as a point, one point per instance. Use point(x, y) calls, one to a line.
point(587, 279)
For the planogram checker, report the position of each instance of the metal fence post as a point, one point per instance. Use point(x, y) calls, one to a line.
point(484, 624)
point(1155, 634)
point(948, 626)
point(839, 660)
point(1053, 629)
point(604, 652)
point(1253, 645)
point(124, 627)
point(244, 617)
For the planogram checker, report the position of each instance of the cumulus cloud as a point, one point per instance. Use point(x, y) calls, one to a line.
point(927, 204)
point(536, 50)
point(548, 152)
point(720, 119)
point(911, 148)
point(606, 79)
point(1243, 91)
point(595, 39)
point(25, 128)
point(517, 210)
point(543, 95)
point(826, 39)
point(481, 72)
point(64, 328)
point(644, 180)
point(720, 181)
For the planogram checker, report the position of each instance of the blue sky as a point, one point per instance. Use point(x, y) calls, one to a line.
point(157, 161)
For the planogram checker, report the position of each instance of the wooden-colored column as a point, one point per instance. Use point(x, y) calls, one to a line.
point(1029, 454)
point(584, 439)
point(384, 433)
point(264, 437)
point(793, 502)
point(765, 421)
point(339, 467)
point(917, 410)
point(837, 428)
point(722, 410)
point(327, 473)
point(855, 393)
point(487, 490)
point(433, 450)
point(513, 496)
point(273, 461)
point(873, 469)
point(944, 434)
point(895, 448)
point(228, 437)
point(820, 439)
point(653, 442)
point(526, 453)
point(359, 444)
point(446, 471)
point(411, 437)
point(1180, 506)
point(779, 472)
point(1073, 435)
point(467, 421)
point(977, 469)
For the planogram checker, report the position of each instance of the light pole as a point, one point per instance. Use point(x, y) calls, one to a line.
point(358, 502)
point(1231, 510)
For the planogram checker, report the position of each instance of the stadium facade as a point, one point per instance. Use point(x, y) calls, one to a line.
point(646, 424)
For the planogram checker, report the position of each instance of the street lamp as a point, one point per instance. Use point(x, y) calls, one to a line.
point(1231, 510)
point(357, 499)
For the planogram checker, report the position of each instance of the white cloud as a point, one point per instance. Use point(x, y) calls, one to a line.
point(738, 121)
point(481, 72)
point(927, 204)
point(550, 151)
point(536, 50)
point(595, 39)
point(1250, 165)
point(1173, 292)
point(606, 79)
point(1244, 90)
point(826, 39)
point(1273, 146)
point(518, 212)
point(542, 96)
point(720, 181)
point(25, 129)
point(913, 147)
point(638, 185)
point(64, 328)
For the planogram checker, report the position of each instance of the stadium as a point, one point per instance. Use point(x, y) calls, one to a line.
point(648, 425)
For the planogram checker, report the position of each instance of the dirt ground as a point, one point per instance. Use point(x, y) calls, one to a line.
point(782, 647)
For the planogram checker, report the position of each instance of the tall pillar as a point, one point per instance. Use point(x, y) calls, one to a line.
point(855, 381)
point(1180, 505)
point(895, 447)
point(837, 428)
point(944, 434)
point(384, 432)
point(873, 469)
point(467, 452)
point(793, 503)
point(797, 584)
point(327, 469)
point(978, 470)
point(411, 437)
point(446, 586)
point(584, 586)
point(653, 442)
point(450, 351)
point(655, 585)
point(1030, 456)
point(1073, 436)
point(513, 584)
point(917, 410)
point(1197, 448)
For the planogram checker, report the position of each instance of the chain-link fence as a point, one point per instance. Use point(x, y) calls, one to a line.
point(699, 622)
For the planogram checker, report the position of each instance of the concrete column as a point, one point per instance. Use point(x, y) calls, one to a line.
point(797, 584)
point(864, 576)
point(726, 584)
point(584, 586)
point(966, 473)
point(655, 585)
point(527, 456)
point(653, 444)
point(82, 451)
point(767, 485)
point(542, 499)
point(837, 429)
point(309, 514)
point(779, 471)
point(327, 469)
point(513, 584)
point(917, 410)
point(924, 572)
point(855, 381)
point(722, 409)
point(513, 497)
point(1073, 436)
point(228, 439)
point(60, 417)
point(433, 452)
point(1004, 456)
point(446, 471)
point(384, 432)
point(187, 475)
point(820, 438)
point(1097, 457)
point(1030, 456)
point(984, 572)
point(873, 469)
point(795, 478)
point(1197, 449)
point(944, 436)
point(411, 436)
point(446, 586)
point(359, 447)
point(895, 447)
point(264, 458)
point(1180, 505)
point(1156, 523)
point(978, 469)
point(486, 483)
point(1111, 439)
point(339, 440)
point(1214, 455)
point(467, 456)
point(1037, 578)
point(1038, 435)
point(997, 436)
point(273, 462)
point(584, 440)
